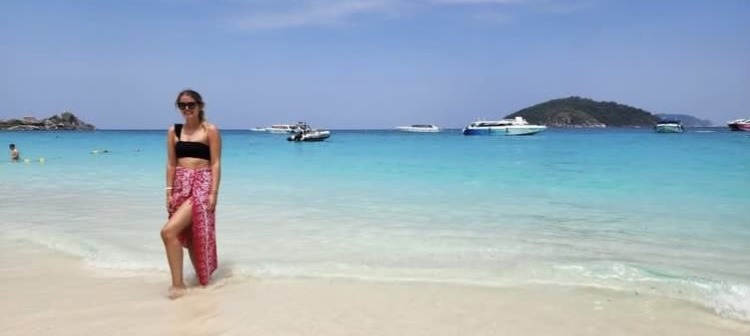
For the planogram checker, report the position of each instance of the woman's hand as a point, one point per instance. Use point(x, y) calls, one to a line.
point(169, 203)
point(212, 202)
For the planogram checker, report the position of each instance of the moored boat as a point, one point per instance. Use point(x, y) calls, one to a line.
point(739, 125)
point(304, 133)
point(669, 126)
point(419, 128)
point(516, 126)
point(276, 128)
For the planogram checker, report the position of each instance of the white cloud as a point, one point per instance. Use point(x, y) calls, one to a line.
point(313, 13)
point(480, 2)
point(283, 14)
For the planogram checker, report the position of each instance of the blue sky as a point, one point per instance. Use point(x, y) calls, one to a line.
point(369, 63)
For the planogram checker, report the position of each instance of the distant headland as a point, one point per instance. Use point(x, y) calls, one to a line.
point(584, 112)
point(66, 121)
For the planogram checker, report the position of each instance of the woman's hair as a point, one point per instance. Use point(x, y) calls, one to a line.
point(197, 96)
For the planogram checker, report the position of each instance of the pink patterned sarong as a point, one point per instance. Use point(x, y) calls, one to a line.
point(200, 237)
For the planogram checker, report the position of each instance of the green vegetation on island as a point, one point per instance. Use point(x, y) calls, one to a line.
point(66, 121)
point(584, 112)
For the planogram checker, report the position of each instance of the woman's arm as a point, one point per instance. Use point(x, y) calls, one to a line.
point(171, 164)
point(214, 144)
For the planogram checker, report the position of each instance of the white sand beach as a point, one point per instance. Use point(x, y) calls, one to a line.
point(45, 293)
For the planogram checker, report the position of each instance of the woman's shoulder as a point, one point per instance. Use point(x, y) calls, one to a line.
point(210, 127)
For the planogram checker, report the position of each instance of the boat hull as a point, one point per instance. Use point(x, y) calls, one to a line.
point(418, 129)
point(669, 129)
point(314, 136)
point(738, 126)
point(504, 130)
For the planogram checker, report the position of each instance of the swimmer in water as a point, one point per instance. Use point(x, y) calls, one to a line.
point(14, 154)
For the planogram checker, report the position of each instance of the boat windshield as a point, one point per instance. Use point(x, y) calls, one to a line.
point(491, 123)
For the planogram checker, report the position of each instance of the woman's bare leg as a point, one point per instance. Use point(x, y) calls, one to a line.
point(180, 220)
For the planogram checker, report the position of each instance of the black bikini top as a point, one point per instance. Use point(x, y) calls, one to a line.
point(191, 149)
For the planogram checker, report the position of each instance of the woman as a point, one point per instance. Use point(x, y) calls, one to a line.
point(193, 175)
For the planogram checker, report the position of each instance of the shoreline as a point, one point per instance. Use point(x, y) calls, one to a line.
point(55, 294)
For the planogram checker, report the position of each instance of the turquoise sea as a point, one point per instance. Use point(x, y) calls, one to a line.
point(625, 209)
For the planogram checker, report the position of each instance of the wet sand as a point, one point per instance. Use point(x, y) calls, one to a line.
point(46, 293)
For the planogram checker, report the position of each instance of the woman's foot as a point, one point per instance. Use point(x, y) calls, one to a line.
point(176, 292)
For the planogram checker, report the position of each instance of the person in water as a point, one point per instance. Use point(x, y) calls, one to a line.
point(14, 154)
point(192, 188)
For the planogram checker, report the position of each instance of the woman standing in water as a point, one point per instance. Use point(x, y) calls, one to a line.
point(193, 176)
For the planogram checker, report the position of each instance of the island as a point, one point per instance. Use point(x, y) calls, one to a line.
point(66, 121)
point(585, 112)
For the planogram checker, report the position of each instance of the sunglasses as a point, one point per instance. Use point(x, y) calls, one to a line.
point(189, 106)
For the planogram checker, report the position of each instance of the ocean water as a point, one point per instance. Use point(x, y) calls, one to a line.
point(626, 209)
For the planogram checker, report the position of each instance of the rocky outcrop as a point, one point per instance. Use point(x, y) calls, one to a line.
point(66, 121)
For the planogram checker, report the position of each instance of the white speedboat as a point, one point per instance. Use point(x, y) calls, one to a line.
point(516, 126)
point(419, 128)
point(277, 128)
point(669, 126)
point(303, 133)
